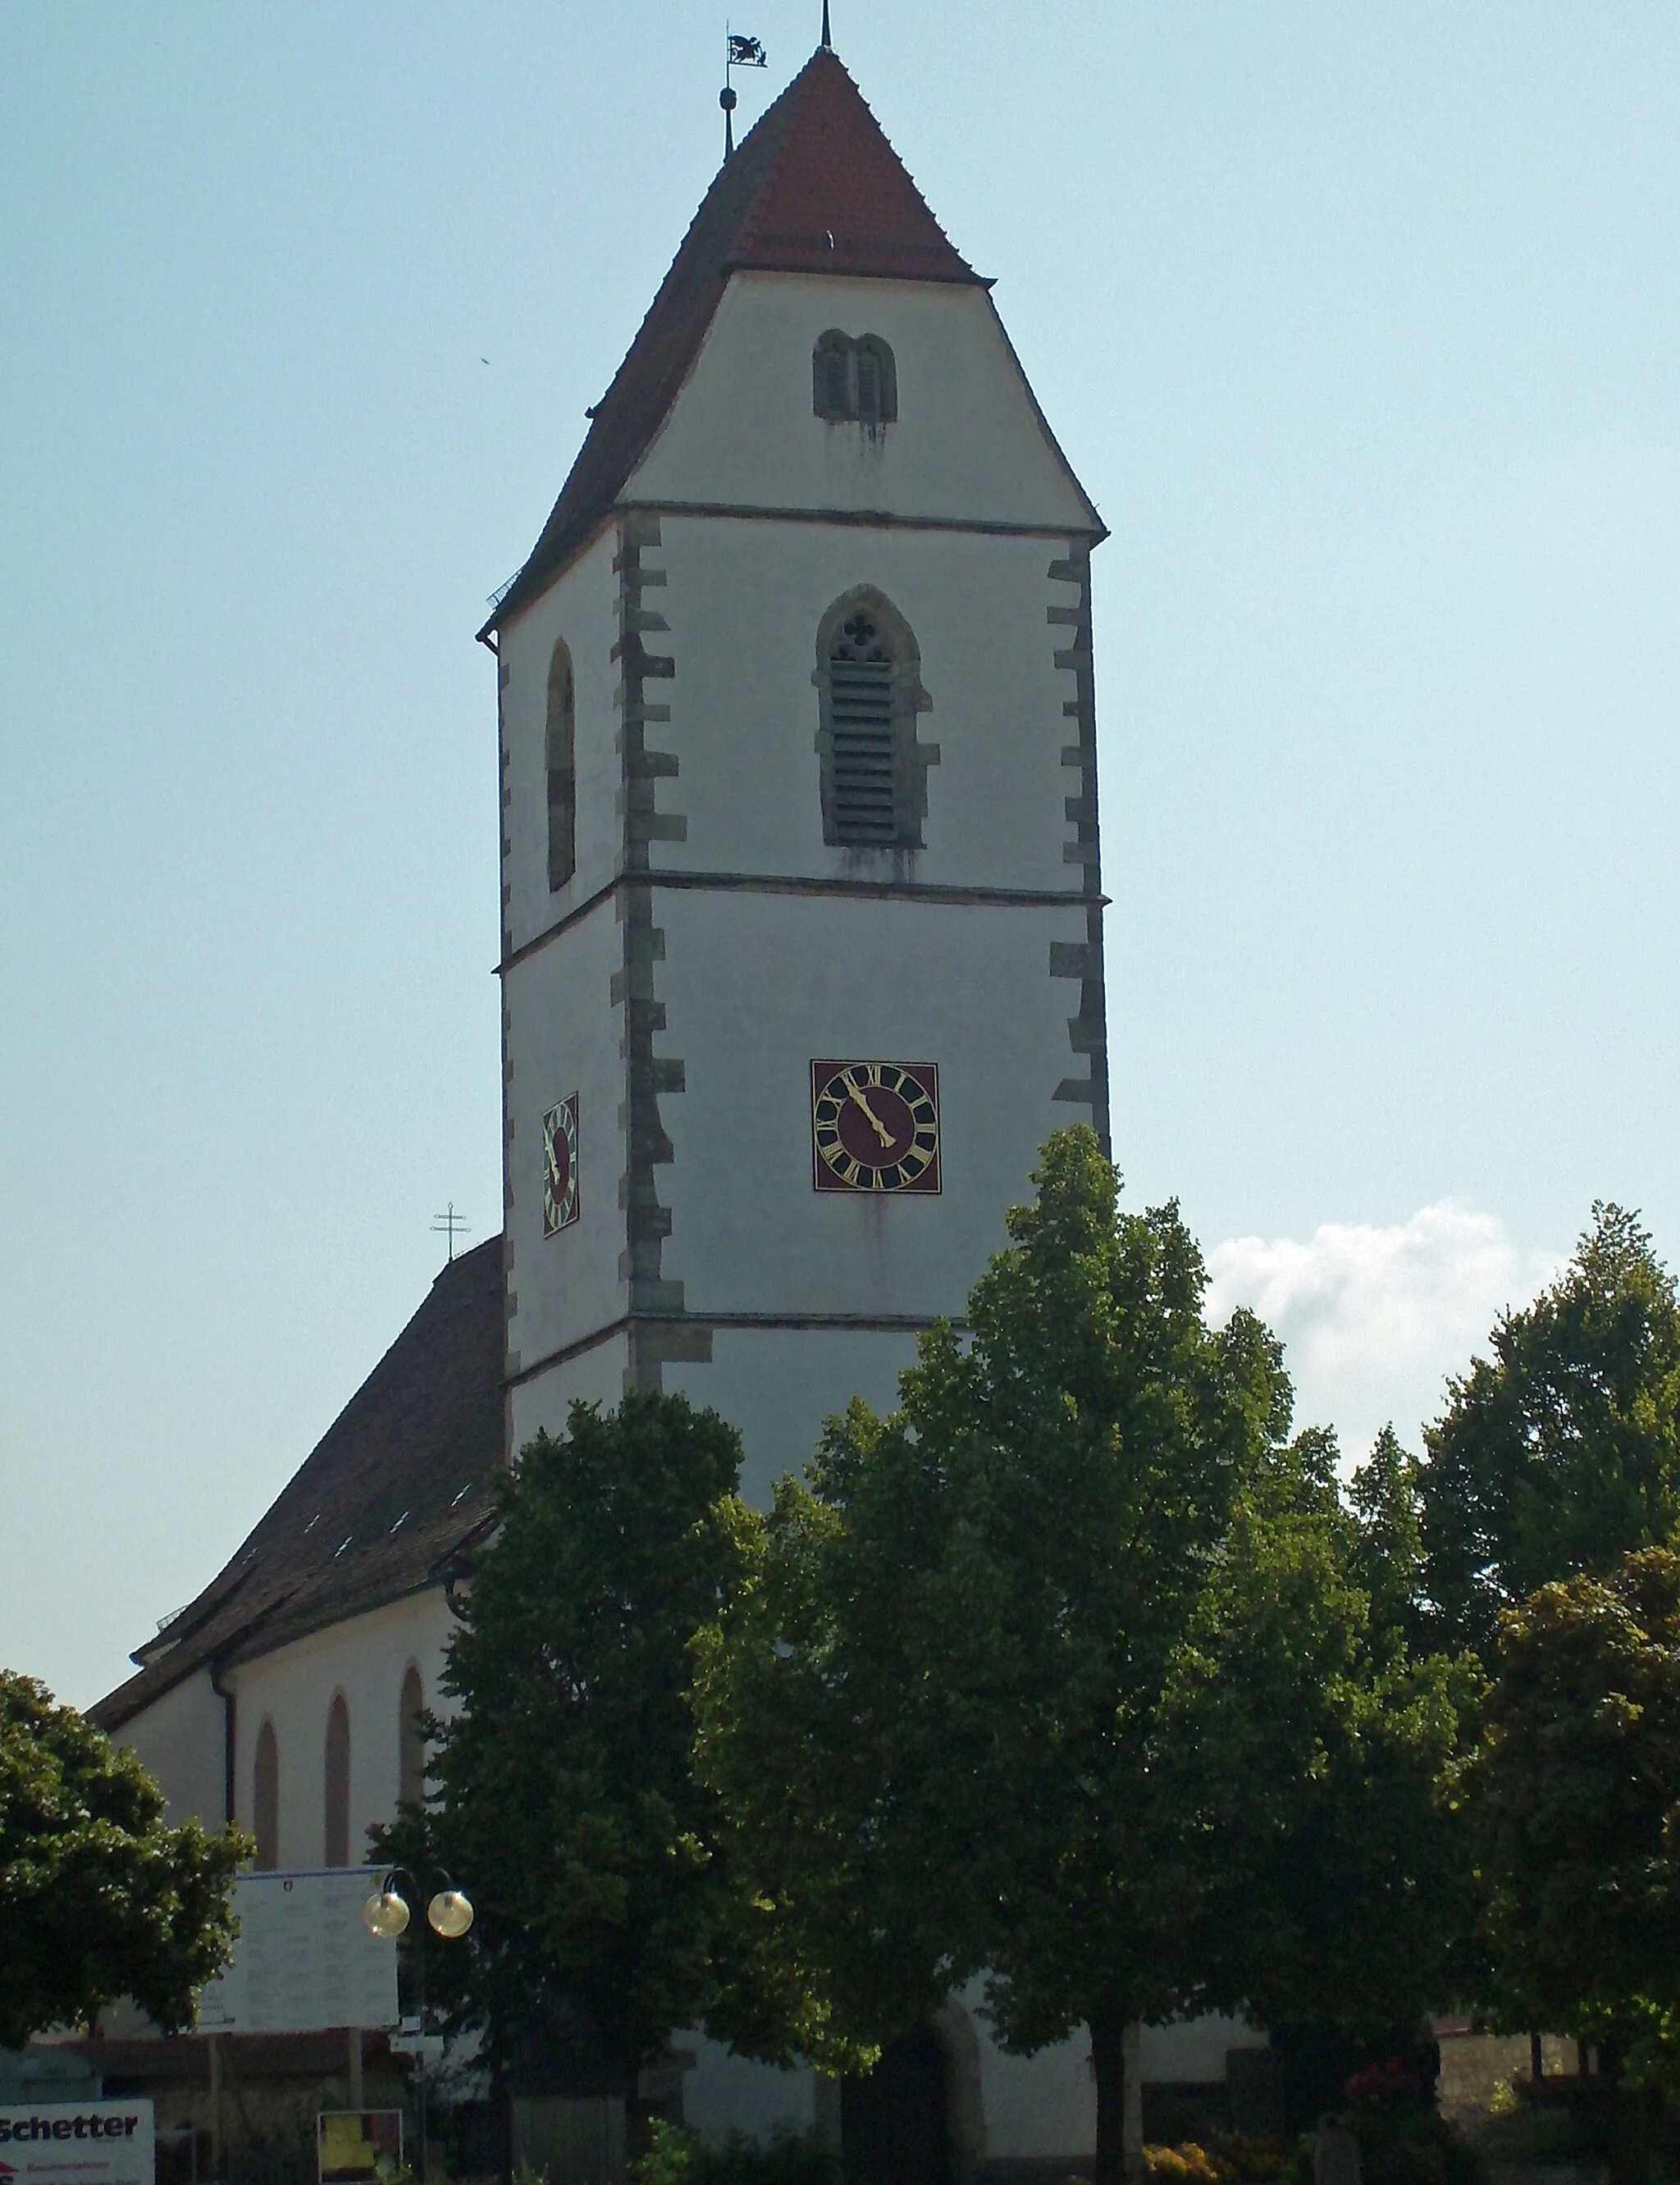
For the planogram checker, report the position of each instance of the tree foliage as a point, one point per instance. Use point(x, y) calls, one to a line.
point(1062, 1671)
point(565, 1804)
point(1574, 1798)
point(98, 1897)
point(1561, 1452)
point(1311, 1748)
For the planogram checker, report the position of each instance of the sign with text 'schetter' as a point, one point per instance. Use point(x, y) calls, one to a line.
point(76, 2143)
point(303, 1962)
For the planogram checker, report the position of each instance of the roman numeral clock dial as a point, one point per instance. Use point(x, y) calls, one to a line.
point(875, 1126)
point(560, 1167)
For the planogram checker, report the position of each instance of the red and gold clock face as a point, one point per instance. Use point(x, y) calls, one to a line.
point(560, 1167)
point(875, 1125)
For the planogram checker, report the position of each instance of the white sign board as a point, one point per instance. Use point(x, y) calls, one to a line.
point(304, 1961)
point(76, 2143)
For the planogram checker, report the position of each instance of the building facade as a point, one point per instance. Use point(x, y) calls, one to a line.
point(801, 949)
point(801, 962)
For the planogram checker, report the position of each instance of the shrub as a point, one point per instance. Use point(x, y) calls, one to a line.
point(1389, 2081)
point(676, 2157)
point(1411, 2143)
point(1186, 2165)
point(1253, 2157)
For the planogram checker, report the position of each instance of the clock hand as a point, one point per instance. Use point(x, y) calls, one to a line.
point(876, 1124)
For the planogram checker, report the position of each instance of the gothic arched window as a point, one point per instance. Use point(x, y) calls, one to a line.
point(266, 1799)
point(561, 752)
point(411, 1740)
point(336, 1802)
point(869, 684)
point(854, 382)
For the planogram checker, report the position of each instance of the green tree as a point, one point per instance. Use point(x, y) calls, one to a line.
point(1562, 1451)
point(1386, 1497)
point(1037, 1675)
point(565, 1802)
point(1311, 1751)
point(98, 1897)
point(1573, 1796)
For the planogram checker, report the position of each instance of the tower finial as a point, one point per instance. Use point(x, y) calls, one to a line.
point(828, 41)
point(738, 52)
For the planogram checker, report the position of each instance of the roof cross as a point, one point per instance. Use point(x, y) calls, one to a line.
point(448, 1224)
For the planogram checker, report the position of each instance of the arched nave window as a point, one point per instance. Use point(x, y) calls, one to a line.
point(411, 1740)
point(562, 753)
point(266, 1799)
point(868, 678)
point(338, 1784)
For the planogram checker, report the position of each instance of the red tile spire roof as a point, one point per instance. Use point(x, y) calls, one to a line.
point(815, 188)
point(836, 197)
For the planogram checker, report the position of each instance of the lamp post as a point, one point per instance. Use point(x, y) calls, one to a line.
point(449, 1914)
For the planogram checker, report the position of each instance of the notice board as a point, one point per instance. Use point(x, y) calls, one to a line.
point(304, 1961)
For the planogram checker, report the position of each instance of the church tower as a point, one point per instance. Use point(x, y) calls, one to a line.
point(802, 954)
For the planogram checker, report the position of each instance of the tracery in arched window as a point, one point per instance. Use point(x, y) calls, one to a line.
point(868, 678)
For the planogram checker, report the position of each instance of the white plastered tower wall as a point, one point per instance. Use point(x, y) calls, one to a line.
point(712, 943)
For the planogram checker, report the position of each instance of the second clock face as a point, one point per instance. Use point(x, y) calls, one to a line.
point(875, 1125)
point(560, 1167)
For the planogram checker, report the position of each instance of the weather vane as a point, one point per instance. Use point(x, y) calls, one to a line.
point(739, 52)
point(448, 1224)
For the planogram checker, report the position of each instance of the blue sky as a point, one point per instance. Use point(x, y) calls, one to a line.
point(1361, 326)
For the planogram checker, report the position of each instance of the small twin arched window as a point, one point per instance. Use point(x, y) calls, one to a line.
point(854, 380)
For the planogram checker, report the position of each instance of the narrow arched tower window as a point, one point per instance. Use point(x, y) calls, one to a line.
point(266, 1799)
point(411, 1741)
point(336, 1847)
point(563, 769)
point(869, 682)
point(831, 376)
point(876, 381)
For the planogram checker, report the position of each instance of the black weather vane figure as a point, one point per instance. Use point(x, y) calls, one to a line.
point(738, 52)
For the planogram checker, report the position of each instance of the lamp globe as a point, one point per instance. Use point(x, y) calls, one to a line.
point(450, 1913)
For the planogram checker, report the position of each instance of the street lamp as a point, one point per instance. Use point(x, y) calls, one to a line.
point(386, 1915)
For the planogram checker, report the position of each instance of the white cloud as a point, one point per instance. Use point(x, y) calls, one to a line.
point(1375, 1319)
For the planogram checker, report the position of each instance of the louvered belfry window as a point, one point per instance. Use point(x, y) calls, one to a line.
point(865, 793)
point(867, 674)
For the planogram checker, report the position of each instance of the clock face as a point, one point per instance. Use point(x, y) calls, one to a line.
point(560, 1167)
point(875, 1125)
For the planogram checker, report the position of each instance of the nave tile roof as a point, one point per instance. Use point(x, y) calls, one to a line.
point(402, 1480)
